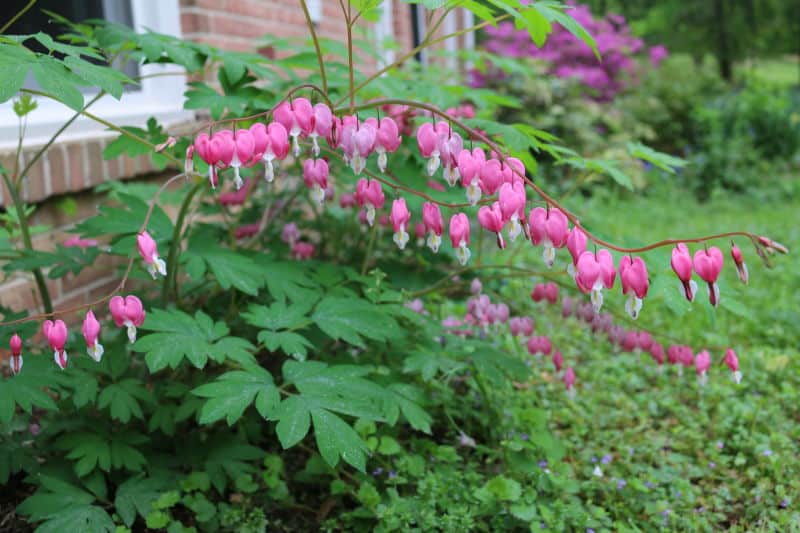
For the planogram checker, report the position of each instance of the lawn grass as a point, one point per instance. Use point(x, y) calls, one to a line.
point(674, 454)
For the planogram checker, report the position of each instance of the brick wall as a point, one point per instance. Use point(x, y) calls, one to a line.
point(74, 168)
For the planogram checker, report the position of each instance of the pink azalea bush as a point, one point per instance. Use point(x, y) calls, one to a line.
point(570, 57)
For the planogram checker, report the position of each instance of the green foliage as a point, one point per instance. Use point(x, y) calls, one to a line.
point(367, 415)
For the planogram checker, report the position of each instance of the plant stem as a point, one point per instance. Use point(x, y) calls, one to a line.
point(313, 32)
point(44, 294)
point(350, 59)
point(370, 246)
point(413, 52)
point(109, 125)
point(59, 131)
point(17, 16)
point(501, 155)
point(171, 280)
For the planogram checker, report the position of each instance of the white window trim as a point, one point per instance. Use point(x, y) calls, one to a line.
point(384, 29)
point(160, 96)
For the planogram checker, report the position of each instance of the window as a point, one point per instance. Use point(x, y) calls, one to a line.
point(160, 96)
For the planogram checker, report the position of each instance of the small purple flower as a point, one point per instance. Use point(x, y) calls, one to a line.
point(649, 484)
point(785, 503)
point(712, 465)
point(524, 436)
point(594, 459)
point(767, 452)
point(377, 472)
point(543, 463)
point(678, 494)
point(665, 513)
point(606, 459)
point(621, 483)
point(700, 509)
point(392, 474)
point(720, 444)
point(589, 530)
point(34, 428)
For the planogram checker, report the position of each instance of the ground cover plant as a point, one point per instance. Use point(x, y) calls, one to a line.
point(344, 325)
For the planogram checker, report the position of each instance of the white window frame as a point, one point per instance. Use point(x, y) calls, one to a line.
point(384, 29)
point(159, 96)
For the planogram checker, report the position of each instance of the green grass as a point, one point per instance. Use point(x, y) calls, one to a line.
point(783, 72)
point(692, 458)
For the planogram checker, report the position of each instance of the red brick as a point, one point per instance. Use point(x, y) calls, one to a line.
point(18, 295)
point(33, 184)
point(75, 164)
point(95, 154)
point(221, 24)
point(194, 23)
point(59, 171)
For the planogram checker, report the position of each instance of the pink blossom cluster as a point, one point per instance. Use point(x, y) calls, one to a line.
point(639, 341)
point(483, 314)
point(570, 57)
point(126, 312)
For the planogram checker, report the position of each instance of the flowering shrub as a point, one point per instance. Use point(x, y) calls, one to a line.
point(285, 310)
point(571, 57)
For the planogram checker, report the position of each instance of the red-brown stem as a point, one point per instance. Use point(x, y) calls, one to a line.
point(546, 197)
point(313, 87)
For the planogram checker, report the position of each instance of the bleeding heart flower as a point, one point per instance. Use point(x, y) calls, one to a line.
point(297, 117)
point(450, 146)
point(521, 325)
point(56, 334)
point(148, 250)
point(387, 140)
point(558, 360)
point(302, 251)
point(16, 354)
point(127, 312)
point(188, 162)
point(539, 345)
point(459, 237)
point(202, 145)
point(400, 216)
point(657, 351)
point(476, 287)
point(370, 193)
point(315, 175)
point(633, 276)
point(512, 199)
point(549, 227)
point(491, 218)
point(772, 246)
point(732, 362)
point(244, 150)
point(569, 380)
point(738, 260)
point(290, 234)
point(681, 263)
point(91, 332)
point(247, 230)
point(702, 362)
point(270, 143)
point(491, 176)
point(708, 265)
point(595, 271)
point(433, 225)
point(576, 244)
point(470, 165)
point(323, 123)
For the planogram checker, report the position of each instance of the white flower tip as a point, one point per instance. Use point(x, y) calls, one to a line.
point(96, 352)
point(434, 241)
point(401, 239)
point(132, 333)
point(737, 377)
